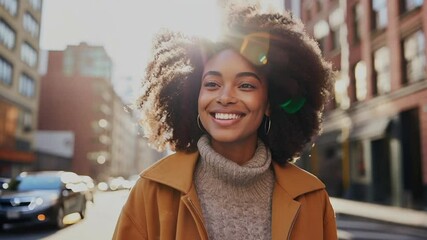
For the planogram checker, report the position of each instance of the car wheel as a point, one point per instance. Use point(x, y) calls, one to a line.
point(83, 210)
point(59, 221)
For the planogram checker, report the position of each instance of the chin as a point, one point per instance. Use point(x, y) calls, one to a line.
point(230, 138)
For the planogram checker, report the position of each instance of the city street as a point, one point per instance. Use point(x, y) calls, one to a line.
point(99, 223)
point(102, 216)
point(356, 228)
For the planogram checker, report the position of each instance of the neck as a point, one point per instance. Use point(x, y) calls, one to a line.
point(238, 152)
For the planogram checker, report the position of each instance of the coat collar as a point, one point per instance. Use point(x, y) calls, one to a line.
point(177, 170)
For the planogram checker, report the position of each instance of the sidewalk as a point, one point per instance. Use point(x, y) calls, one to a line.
point(380, 212)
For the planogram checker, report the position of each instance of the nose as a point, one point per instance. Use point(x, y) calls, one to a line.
point(226, 97)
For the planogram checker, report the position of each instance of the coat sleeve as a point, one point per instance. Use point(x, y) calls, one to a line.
point(329, 221)
point(131, 223)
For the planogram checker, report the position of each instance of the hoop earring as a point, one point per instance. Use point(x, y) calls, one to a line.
point(199, 124)
point(267, 125)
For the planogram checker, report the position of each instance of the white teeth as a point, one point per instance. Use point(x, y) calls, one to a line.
point(226, 116)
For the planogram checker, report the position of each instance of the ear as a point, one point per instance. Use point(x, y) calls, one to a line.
point(267, 110)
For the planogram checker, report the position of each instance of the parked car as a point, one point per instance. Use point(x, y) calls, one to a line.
point(42, 197)
point(90, 185)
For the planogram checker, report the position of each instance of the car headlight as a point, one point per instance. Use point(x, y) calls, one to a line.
point(45, 200)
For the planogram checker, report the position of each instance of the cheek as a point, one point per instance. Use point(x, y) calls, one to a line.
point(202, 100)
point(259, 103)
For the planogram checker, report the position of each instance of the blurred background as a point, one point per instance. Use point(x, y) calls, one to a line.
point(70, 72)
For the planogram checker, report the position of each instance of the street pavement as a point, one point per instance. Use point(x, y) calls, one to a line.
point(358, 228)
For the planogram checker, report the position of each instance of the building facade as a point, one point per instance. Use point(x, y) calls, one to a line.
point(374, 144)
point(76, 95)
point(124, 137)
point(19, 83)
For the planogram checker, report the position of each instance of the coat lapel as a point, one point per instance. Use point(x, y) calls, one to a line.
point(291, 182)
point(284, 212)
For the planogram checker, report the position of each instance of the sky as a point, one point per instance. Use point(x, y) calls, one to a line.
point(124, 27)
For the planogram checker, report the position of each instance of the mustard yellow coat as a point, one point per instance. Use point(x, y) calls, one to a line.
point(164, 204)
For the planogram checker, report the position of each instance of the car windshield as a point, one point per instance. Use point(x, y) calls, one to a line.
point(35, 183)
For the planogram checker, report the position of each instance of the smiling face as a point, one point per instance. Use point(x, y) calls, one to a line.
point(232, 100)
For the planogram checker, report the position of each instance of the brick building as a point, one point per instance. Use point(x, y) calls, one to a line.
point(76, 95)
point(374, 145)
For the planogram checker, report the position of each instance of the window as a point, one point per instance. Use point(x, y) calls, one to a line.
point(379, 8)
point(357, 15)
point(307, 14)
point(382, 70)
point(361, 82)
point(409, 5)
point(358, 161)
point(6, 72)
point(335, 34)
point(26, 121)
point(415, 59)
point(35, 4)
point(30, 25)
point(10, 5)
point(319, 5)
point(28, 55)
point(7, 35)
point(9, 115)
point(336, 20)
point(26, 86)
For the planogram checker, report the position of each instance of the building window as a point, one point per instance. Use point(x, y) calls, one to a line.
point(35, 4)
point(319, 5)
point(379, 8)
point(415, 59)
point(6, 72)
point(26, 86)
point(336, 20)
point(357, 15)
point(7, 35)
point(409, 5)
point(358, 161)
point(307, 14)
point(26, 121)
point(382, 70)
point(10, 5)
point(28, 55)
point(335, 34)
point(31, 25)
point(361, 81)
point(8, 124)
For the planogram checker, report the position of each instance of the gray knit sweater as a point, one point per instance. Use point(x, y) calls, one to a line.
point(235, 200)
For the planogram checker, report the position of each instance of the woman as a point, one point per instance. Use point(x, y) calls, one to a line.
point(238, 112)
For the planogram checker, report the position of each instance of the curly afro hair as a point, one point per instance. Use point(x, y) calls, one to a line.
point(291, 60)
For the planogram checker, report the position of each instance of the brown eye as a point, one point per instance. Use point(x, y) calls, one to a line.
point(247, 86)
point(210, 85)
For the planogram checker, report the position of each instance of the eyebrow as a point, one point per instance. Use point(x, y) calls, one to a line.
point(248, 74)
point(240, 74)
point(214, 73)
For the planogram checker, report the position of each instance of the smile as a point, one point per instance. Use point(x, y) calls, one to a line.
point(226, 116)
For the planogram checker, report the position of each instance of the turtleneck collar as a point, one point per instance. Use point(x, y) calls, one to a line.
point(230, 171)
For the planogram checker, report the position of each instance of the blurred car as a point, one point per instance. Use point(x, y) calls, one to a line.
point(42, 197)
point(118, 183)
point(90, 185)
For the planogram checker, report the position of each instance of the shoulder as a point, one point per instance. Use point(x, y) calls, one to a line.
point(175, 171)
point(295, 180)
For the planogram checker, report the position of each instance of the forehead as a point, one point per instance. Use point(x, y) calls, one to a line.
point(228, 59)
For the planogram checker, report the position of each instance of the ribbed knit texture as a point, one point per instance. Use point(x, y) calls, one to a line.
point(235, 200)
